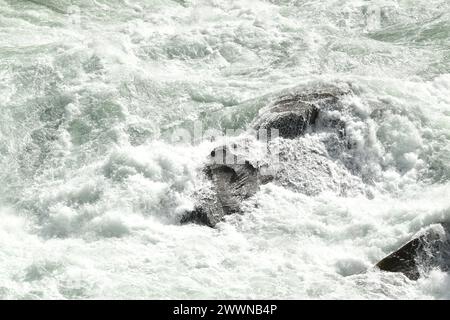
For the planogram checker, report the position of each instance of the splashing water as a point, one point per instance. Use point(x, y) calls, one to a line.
point(93, 187)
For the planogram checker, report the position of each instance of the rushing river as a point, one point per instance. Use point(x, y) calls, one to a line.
point(92, 186)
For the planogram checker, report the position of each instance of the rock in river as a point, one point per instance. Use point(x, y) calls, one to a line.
point(235, 173)
point(431, 249)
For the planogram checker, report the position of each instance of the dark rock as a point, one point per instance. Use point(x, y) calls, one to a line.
point(234, 178)
point(289, 123)
point(429, 250)
point(292, 115)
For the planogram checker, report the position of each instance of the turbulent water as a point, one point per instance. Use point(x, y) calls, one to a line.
point(93, 187)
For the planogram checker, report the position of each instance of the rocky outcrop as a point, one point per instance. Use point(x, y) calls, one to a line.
point(235, 173)
point(431, 249)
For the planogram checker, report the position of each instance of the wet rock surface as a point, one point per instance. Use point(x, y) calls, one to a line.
point(233, 180)
point(426, 251)
point(235, 173)
point(297, 113)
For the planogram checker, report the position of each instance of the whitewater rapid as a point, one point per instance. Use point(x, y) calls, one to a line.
point(92, 186)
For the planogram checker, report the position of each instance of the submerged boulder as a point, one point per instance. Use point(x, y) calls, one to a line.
point(296, 113)
point(290, 117)
point(429, 250)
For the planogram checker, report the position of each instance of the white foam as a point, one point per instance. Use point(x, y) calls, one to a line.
point(97, 205)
